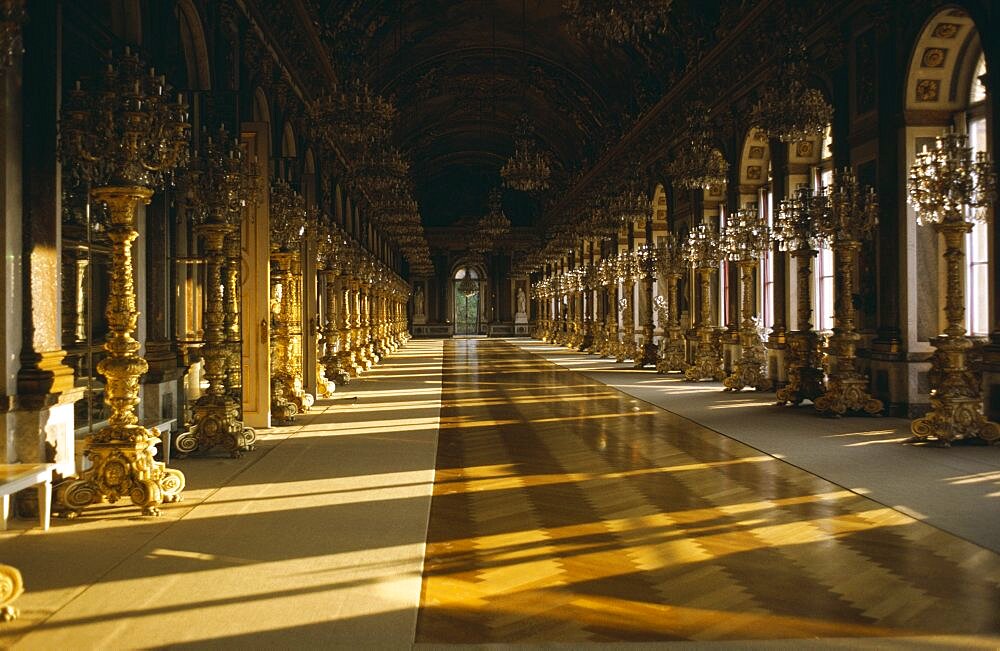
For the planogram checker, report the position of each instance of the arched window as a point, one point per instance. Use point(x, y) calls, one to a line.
point(977, 245)
point(824, 275)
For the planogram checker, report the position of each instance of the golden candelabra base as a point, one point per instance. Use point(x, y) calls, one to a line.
point(587, 339)
point(122, 453)
point(624, 345)
point(334, 368)
point(956, 405)
point(806, 378)
point(216, 423)
point(610, 340)
point(645, 352)
point(325, 387)
point(707, 358)
point(846, 388)
point(671, 357)
point(11, 587)
point(597, 335)
point(122, 468)
point(750, 369)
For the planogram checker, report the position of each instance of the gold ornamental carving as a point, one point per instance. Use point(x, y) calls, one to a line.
point(11, 587)
point(122, 453)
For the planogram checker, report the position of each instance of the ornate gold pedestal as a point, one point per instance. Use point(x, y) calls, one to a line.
point(750, 369)
point(708, 354)
point(671, 357)
point(805, 356)
point(122, 453)
point(287, 397)
point(626, 344)
point(216, 416)
point(847, 389)
point(332, 336)
point(956, 402)
point(11, 587)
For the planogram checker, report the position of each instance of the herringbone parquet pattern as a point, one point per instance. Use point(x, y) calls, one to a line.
point(566, 511)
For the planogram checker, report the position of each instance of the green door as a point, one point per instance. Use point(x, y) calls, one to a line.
point(466, 311)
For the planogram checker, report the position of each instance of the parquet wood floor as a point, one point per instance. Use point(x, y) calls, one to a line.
point(566, 511)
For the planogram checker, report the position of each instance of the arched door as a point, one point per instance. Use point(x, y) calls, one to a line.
point(467, 293)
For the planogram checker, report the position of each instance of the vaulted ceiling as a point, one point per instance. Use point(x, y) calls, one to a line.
point(462, 72)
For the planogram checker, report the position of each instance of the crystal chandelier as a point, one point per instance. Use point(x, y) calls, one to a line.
point(788, 109)
point(12, 17)
point(698, 164)
point(622, 21)
point(494, 224)
point(352, 115)
point(527, 169)
point(631, 205)
point(468, 287)
point(378, 167)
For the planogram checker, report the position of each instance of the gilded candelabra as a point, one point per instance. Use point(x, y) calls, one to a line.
point(608, 330)
point(219, 184)
point(849, 215)
point(797, 230)
point(628, 269)
point(288, 225)
point(950, 191)
point(346, 288)
point(588, 280)
point(745, 239)
point(125, 137)
point(704, 253)
point(645, 352)
point(327, 248)
point(672, 266)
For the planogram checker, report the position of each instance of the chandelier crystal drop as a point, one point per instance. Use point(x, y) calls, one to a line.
point(527, 170)
point(788, 109)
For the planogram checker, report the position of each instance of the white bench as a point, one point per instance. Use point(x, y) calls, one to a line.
point(18, 476)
